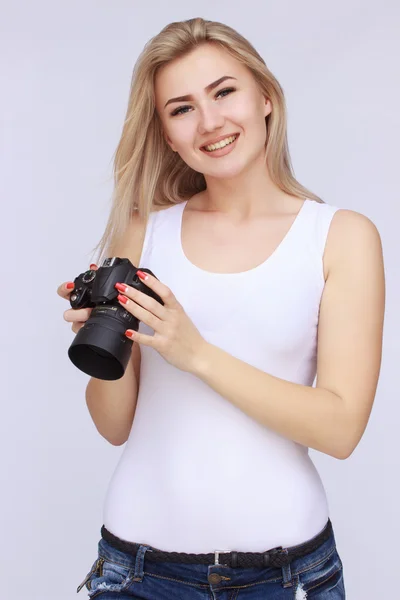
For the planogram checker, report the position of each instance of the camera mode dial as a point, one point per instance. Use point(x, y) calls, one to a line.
point(88, 276)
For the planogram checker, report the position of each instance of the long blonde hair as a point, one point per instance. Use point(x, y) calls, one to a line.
point(147, 172)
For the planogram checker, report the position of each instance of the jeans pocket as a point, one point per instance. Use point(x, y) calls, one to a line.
point(321, 578)
point(106, 575)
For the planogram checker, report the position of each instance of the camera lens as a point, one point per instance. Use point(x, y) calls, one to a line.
point(100, 348)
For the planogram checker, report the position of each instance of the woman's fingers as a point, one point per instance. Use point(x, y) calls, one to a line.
point(76, 327)
point(66, 288)
point(77, 315)
point(63, 290)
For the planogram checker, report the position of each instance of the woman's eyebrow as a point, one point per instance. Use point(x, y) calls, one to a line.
point(208, 88)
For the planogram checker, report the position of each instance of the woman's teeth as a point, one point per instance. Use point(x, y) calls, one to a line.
point(221, 144)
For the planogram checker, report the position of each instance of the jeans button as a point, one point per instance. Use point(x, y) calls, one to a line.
point(214, 578)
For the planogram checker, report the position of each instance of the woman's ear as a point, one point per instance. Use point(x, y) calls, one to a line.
point(267, 106)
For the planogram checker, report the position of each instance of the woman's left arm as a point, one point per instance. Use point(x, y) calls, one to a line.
point(331, 417)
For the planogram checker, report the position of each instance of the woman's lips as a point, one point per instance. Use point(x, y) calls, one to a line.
point(222, 151)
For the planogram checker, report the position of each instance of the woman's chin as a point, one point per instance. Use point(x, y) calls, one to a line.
point(225, 171)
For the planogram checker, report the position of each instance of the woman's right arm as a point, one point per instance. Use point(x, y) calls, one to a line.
point(112, 404)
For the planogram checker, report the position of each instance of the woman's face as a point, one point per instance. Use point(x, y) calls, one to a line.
point(234, 106)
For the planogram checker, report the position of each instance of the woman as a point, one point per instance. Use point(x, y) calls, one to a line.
point(215, 495)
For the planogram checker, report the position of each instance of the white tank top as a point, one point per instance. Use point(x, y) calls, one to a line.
point(197, 474)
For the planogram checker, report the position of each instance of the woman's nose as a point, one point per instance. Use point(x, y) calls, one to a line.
point(210, 118)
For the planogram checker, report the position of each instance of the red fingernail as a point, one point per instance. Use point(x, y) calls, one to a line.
point(92, 266)
point(122, 299)
point(129, 333)
point(142, 275)
point(70, 286)
point(121, 287)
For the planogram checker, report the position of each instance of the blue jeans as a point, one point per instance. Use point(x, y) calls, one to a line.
point(116, 575)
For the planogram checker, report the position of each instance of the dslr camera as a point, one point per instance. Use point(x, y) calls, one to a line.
point(101, 348)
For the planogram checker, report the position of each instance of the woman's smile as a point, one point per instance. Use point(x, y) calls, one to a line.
point(221, 151)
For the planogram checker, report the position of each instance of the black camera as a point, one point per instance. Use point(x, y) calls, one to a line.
point(101, 348)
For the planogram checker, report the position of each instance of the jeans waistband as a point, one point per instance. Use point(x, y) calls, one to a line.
point(275, 557)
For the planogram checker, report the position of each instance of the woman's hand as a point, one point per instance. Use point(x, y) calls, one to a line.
point(76, 316)
point(175, 336)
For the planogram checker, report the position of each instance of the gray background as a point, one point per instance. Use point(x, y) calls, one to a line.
point(65, 77)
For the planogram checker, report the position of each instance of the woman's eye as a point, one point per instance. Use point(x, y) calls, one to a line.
point(179, 111)
point(226, 90)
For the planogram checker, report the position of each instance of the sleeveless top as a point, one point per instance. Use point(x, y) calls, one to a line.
point(197, 474)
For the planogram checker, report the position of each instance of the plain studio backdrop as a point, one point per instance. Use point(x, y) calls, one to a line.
point(65, 78)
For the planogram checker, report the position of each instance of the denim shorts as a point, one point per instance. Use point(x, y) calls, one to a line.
point(117, 575)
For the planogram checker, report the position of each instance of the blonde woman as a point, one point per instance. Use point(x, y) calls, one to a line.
point(264, 286)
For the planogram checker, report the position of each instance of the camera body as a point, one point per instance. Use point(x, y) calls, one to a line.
point(100, 347)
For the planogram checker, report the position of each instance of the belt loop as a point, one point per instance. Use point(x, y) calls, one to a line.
point(286, 573)
point(139, 562)
point(234, 559)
